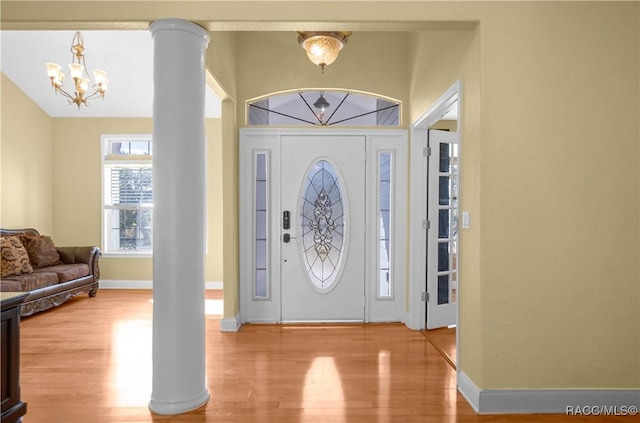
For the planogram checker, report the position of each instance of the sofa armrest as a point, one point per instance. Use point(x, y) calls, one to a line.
point(88, 255)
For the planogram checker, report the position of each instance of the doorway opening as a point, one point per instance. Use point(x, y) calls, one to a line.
point(435, 205)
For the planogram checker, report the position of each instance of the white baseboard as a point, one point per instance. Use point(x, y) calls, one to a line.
point(469, 390)
point(545, 401)
point(143, 284)
point(230, 324)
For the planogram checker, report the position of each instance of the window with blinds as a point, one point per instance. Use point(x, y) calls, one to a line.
point(128, 195)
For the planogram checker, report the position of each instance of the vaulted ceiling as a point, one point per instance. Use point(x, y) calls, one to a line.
point(127, 56)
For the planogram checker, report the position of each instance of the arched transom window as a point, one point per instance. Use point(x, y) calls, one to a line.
point(323, 108)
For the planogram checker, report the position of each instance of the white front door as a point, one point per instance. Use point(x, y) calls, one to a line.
point(442, 241)
point(335, 185)
point(323, 228)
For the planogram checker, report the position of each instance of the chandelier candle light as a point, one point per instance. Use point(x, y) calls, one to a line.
point(78, 68)
point(323, 47)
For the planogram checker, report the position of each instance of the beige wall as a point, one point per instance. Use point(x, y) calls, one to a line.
point(77, 176)
point(550, 219)
point(551, 164)
point(221, 64)
point(273, 61)
point(559, 196)
point(439, 59)
point(51, 180)
point(26, 149)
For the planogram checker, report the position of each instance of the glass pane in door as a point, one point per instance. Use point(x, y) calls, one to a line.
point(447, 222)
point(385, 284)
point(443, 289)
point(322, 225)
point(261, 287)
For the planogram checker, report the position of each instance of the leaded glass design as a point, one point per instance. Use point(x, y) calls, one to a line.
point(322, 225)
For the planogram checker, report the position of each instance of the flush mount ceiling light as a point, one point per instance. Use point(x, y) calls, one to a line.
point(323, 47)
point(78, 70)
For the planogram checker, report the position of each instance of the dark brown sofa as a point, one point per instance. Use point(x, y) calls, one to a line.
point(51, 275)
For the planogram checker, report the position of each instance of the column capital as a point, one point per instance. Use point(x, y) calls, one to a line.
point(176, 24)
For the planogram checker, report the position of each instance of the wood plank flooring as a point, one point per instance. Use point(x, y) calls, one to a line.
point(443, 340)
point(90, 361)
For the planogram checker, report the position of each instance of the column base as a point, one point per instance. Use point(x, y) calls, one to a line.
point(172, 408)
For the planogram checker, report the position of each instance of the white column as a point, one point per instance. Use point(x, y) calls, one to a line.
point(179, 169)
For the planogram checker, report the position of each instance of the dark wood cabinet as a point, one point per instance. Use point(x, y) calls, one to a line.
point(13, 408)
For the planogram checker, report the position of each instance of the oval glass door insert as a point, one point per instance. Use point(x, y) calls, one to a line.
point(323, 224)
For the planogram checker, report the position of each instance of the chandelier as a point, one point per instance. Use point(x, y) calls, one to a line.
point(78, 71)
point(323, 47)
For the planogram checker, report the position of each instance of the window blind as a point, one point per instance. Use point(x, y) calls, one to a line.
point(130, 185)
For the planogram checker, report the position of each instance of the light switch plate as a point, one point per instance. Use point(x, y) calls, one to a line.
point(465, 220)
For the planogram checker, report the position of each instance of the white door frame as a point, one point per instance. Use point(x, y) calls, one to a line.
point(267, 141)
point(418, 203)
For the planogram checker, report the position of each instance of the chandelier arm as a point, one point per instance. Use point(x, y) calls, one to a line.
point(77, 98)
point(71, 49)
point(312, 112)
point(93, 95)
point(64, 93)
point(84, 66)
point(283, 114)
point(334, 112)
point(364, 114)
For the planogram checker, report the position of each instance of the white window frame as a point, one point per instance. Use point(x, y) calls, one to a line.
point(108, 160)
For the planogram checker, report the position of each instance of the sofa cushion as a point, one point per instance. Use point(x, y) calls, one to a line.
point(15, 259)
point(7, 285)
point(42, 251)
point(66, 272)
point(31, 281)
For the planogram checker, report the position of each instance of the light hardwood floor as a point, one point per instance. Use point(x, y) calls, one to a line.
point(444, 340)
point(90, 361)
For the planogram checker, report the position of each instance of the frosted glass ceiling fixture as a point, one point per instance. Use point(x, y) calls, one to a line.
point(78, 70)
point(323, 47)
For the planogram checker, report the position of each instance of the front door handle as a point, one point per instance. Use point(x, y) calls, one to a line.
point(286, 238)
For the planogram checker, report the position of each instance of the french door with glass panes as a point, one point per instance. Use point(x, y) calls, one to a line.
point(322, 225)
point(442, 241)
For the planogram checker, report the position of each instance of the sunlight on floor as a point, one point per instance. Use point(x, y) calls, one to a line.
point(213, 307)
point(131, 363)
point(322, 392)
point(384, 380)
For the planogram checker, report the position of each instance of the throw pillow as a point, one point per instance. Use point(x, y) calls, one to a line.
point(10, 262)
point(42, 252)
point(21, 253)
